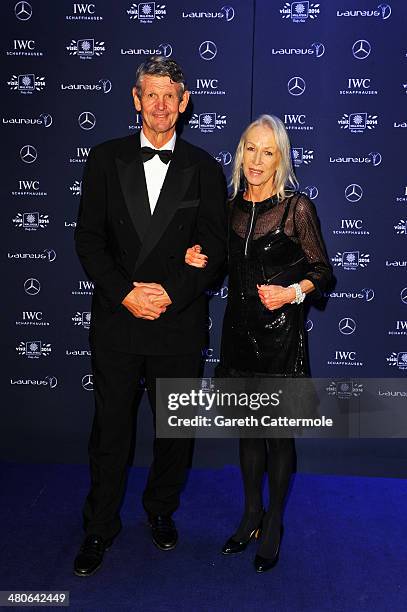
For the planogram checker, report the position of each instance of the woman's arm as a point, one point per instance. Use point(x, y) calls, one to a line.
point(318, 277)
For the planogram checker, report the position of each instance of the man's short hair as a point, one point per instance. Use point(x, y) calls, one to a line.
point(157, 65)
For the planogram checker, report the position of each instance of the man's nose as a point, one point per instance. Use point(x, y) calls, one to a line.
point(161, 103)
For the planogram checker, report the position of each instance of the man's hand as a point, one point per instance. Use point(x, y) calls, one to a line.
point(274, 296)
point(157, 293)
point(139, 301)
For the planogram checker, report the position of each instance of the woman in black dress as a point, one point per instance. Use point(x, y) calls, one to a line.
point(276, 257)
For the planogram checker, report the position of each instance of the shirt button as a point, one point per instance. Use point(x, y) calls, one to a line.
point(180, 227)
point(121, 221)
point(124, 251)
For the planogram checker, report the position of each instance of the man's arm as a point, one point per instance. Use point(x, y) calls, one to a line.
point(188, 283)
point(93, 249)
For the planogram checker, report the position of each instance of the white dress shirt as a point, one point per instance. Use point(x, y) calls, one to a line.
point(155, 170)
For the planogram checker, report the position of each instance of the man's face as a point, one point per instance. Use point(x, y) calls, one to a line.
point(160, 103)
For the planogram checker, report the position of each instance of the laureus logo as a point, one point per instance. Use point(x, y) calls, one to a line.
point(224, 158)
point(382, 11)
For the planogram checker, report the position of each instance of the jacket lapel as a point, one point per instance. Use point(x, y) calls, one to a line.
point(175, 184)
point(133, 184)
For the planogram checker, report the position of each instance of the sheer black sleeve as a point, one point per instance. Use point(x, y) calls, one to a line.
point(308, 231)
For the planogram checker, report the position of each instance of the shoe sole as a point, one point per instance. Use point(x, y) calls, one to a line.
point(231, 554)
point(162, 547)
point(80, 575)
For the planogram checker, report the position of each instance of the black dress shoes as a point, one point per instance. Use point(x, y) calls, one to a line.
point(261, 564)
point(90, 555)
point(163, 532)
point(233, 547)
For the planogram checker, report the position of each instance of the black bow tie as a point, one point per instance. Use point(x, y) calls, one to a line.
point(148, 153)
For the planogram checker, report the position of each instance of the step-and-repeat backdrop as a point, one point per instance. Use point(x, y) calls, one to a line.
point(334, 71)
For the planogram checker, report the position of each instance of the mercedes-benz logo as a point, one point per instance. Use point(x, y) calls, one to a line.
point(28, 154)
point(23, 11)
point(208, 50)
point(229, 12)
point(361, 49)
point(403, 295)
point(309, 325)
point(87, 382)
point(224, 157)
point(166, 49)
point(311, 191)
point(296, 86)
point(376, 158)
point(353, 192)
point(319, 49)
point(347, 326)
point(87, 120)
point(32, 286)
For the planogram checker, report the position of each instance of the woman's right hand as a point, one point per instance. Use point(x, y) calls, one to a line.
point(194, 257)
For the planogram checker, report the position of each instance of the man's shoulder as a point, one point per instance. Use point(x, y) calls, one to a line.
point(112, 148)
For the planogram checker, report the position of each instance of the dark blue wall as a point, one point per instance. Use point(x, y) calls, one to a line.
point(344, 103)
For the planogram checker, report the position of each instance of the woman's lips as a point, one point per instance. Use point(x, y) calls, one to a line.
point(255, 172)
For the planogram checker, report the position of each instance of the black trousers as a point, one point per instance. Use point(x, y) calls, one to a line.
point(116, 379)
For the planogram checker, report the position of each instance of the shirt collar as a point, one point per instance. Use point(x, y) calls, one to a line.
point(144, 142)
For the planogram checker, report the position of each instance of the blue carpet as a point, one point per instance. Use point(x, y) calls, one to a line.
point(344, 547)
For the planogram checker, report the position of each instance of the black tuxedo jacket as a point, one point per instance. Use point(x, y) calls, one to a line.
point(118, 241)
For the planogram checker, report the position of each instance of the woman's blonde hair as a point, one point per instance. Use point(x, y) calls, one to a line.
point(284, 180)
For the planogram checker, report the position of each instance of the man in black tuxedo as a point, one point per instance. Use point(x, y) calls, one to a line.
point(145, 200)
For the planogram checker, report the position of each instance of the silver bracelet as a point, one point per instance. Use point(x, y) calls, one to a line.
point(299, 294)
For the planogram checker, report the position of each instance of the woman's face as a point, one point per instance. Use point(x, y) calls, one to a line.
point(260, 157)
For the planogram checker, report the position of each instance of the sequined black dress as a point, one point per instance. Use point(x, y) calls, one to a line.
point(276, 243)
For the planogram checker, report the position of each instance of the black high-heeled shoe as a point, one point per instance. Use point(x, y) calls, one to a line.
point(233, 546)
point(261, 564)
